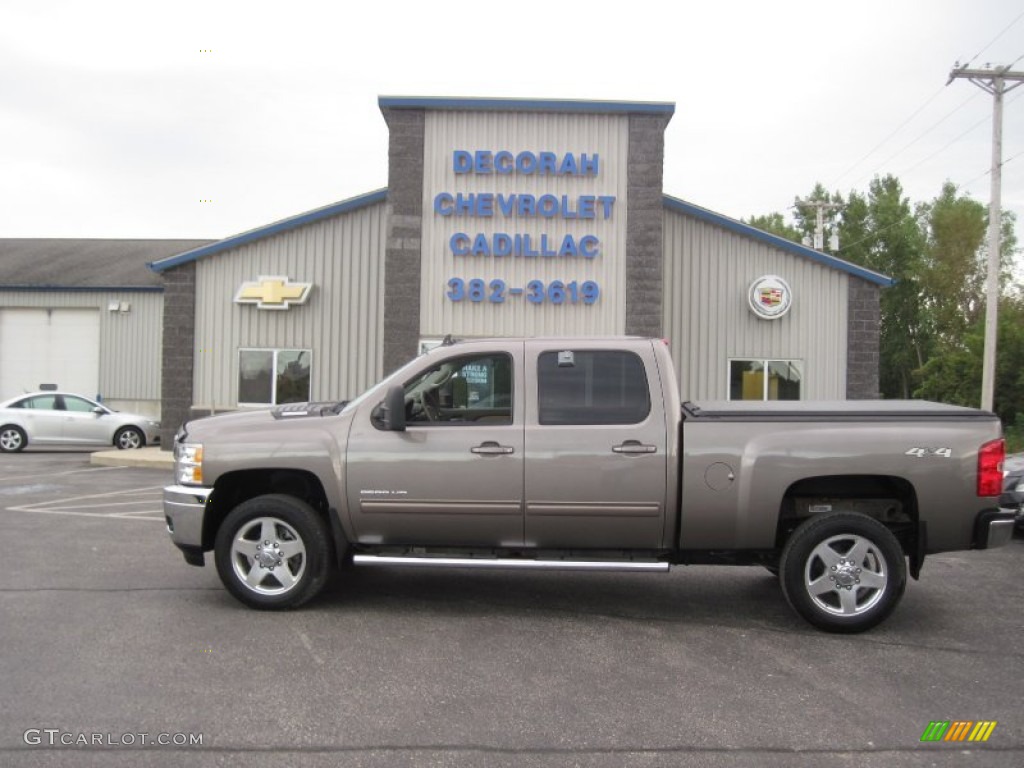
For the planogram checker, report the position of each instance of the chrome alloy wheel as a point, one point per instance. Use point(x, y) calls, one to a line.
point(268, 556)
point(11, 440)
point(129, 438)
point(846, 575)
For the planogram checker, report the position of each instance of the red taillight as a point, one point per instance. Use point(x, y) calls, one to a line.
point(990, 468)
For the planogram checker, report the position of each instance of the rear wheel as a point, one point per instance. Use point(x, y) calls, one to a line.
point(272, 552)
point(843, 572)
point(129, 437)
point(12, 439)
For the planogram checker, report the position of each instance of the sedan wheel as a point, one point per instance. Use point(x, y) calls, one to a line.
point(12, 439)
point(129, 437)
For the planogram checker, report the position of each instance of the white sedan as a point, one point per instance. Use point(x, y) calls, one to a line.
point(61, 418)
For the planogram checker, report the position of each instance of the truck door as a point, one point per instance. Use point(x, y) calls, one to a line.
point(455, 475)
point(596, 448)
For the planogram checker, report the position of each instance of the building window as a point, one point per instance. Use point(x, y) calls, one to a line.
point(747, 379)
point(273, 376)
point(586, 387)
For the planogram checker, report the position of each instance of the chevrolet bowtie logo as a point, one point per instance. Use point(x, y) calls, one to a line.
point(273, 292)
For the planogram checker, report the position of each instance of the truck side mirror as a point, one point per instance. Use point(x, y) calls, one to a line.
point(394, 409)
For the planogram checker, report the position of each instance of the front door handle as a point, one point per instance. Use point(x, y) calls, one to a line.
point(491, 448)
point(634, 447)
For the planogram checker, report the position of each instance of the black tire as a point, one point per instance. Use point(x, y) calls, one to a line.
point(129, 437)
point(843, 572)
point(12, 439)
point(268, 577)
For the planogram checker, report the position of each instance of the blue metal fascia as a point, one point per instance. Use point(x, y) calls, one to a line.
point(285, 225)
point(84, 288)
point(675, 204)
point(530, 105)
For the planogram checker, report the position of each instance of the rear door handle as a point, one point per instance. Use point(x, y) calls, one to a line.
point(491, 448)
point(634, 447)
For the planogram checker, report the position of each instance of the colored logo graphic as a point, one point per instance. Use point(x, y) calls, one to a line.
point(770, 297)
point(273, 292)
point(959, 730)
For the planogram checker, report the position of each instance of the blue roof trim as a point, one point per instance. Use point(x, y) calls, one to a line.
point(530, 105)
point(84, 288)
point(285, 225)
point(675, 204)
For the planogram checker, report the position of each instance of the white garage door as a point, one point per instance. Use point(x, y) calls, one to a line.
point(51, 346)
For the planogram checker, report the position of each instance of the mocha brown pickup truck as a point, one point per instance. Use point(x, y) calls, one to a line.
point(578, 454)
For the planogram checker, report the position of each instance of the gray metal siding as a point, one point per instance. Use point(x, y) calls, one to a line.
point(129, 342)
point(605, 135)
point(707, 273)
point(340, 322)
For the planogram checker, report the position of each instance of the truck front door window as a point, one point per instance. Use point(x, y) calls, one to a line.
point(470, 390)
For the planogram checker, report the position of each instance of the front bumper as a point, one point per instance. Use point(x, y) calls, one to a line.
point(184, 508)
point(993, 528)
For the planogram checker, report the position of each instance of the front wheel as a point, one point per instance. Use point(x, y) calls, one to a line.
point(843, 572)
point(12, 439)
point(272, 552)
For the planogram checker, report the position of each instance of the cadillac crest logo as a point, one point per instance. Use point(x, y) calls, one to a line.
point(770, 297)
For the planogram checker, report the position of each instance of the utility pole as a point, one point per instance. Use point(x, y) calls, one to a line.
point(820, 207)
point(997, 81)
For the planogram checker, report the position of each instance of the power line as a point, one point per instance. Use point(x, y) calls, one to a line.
point(883, 141)
point(926, 132)
point(953, 141)
point(989, 45)
point(989, 171)
point(945, 146)
point(920, 109)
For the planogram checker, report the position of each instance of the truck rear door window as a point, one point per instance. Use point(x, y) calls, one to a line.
point(591, 387)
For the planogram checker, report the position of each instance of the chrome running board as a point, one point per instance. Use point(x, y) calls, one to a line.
point(421, 561)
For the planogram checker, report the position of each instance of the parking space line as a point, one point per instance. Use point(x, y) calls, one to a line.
point(19, 478)
point(108, 494)
point(49, 505)
point(68, 506)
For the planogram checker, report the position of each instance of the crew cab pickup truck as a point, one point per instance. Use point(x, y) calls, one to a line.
point(578, 454)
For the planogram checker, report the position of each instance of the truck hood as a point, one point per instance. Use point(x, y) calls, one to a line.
point(268, 419)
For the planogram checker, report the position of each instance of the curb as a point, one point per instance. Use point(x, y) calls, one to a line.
point(150, 458)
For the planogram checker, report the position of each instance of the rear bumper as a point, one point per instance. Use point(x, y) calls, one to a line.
point(184, 508)
point(992, 528)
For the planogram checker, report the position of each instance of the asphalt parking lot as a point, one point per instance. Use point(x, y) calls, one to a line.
point(105, 630)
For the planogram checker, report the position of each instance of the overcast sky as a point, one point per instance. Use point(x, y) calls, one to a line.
point(118, 118)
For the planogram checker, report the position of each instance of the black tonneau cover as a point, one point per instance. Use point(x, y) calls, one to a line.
point(830, 410)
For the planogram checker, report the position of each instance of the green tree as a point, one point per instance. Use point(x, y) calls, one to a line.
point(953, 270)
point(806, 216)
point(881, 233)
point(776, 224)
point(953, 374)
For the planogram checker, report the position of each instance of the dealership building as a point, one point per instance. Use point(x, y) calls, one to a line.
point(509, 217)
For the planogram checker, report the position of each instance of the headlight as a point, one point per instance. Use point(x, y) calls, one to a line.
point(188, 463)
point(154, 424)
